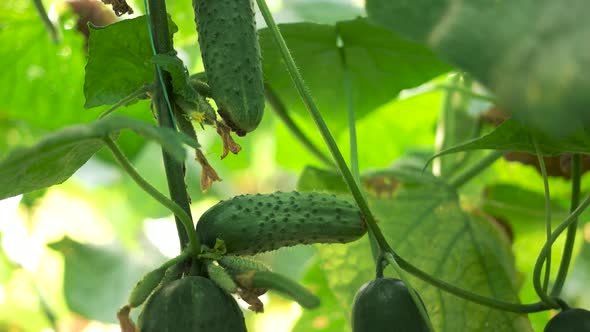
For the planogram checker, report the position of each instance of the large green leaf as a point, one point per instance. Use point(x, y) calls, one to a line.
point(512, 135)
point(41, 81)
point(421, 218)
point(55, 158)
point(98, 279)
point(530, 53)
point(119, 61)
point(381, 65)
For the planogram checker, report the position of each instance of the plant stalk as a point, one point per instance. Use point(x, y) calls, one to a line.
point(281, 111)
point(476, 169)
point(541, 290)
point(571, 230)
point(162, 44)
point(184, 217)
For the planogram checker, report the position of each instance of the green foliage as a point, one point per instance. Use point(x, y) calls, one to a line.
point(55, 158)
point(88, 267)
point(110, 76)
point(528, 53)
point(382, 64)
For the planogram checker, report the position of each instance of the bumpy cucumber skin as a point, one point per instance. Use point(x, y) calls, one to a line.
point(191, 304)
point(145, 287)
point(385, 304)
point(237, 265)
point(231, 56)
point(251, 224)
point(570, 320)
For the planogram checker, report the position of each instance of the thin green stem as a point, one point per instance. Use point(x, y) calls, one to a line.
point(445, 127)
point(571, 230)
point(133, 95)
point(51, 29)
point(542, 292)
point(476, 169)
point(281, 111)
point(356, 192)
point(402, 275)
point(459, 292)
point(354, 160)
point(162, 44)
point(570, 220)
point(158, 196)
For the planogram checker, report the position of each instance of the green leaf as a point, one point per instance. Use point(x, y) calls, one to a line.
point(329, 317)
point(511, 135)
point(421, 218)
point(119, 61)
point(531, 54)
point(55, 158)
point(98, 279)
point(381, 63)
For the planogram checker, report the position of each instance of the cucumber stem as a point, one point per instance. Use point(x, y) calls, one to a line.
point(281, 111)
point(476, 169)
point(135, 94)
point(51, 29)
point(356, 192)
point(571, 230)
point(162, 44)
point(541, 289)
point(161, 198)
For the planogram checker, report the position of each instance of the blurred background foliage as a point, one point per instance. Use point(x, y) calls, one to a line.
point(71, 253)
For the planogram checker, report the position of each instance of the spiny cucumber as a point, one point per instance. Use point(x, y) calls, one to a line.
point(250, 224)
point(221, 277)
point(237, 265)
point(231, 57)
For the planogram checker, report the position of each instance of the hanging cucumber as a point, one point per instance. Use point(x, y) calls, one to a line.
point(191, 304)
point(569, 320)
point(385, 304)
point(231, 56)
point(250, 224)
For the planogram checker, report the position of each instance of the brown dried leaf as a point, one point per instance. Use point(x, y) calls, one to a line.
point(229, 145)
point(208, 173)
point(125, 321)
point(120, 7)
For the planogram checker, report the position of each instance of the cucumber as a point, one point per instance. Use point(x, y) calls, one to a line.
point(145, 287)
point(280, 284)
point(251, 224)
point(385, 304)
point(570, 320)
point(221, 277)
point(236, 265)
point(191, 304)
point(232, 61)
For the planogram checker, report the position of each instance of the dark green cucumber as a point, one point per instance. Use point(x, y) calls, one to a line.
point(570, 320)
point(385, 304)
point(231, 57)
point(250, 224)
point(191, 304)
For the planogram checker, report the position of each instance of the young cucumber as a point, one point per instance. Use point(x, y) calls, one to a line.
point(385, 304)
point(231, 56)
point(191, 304)
point(250, 224)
